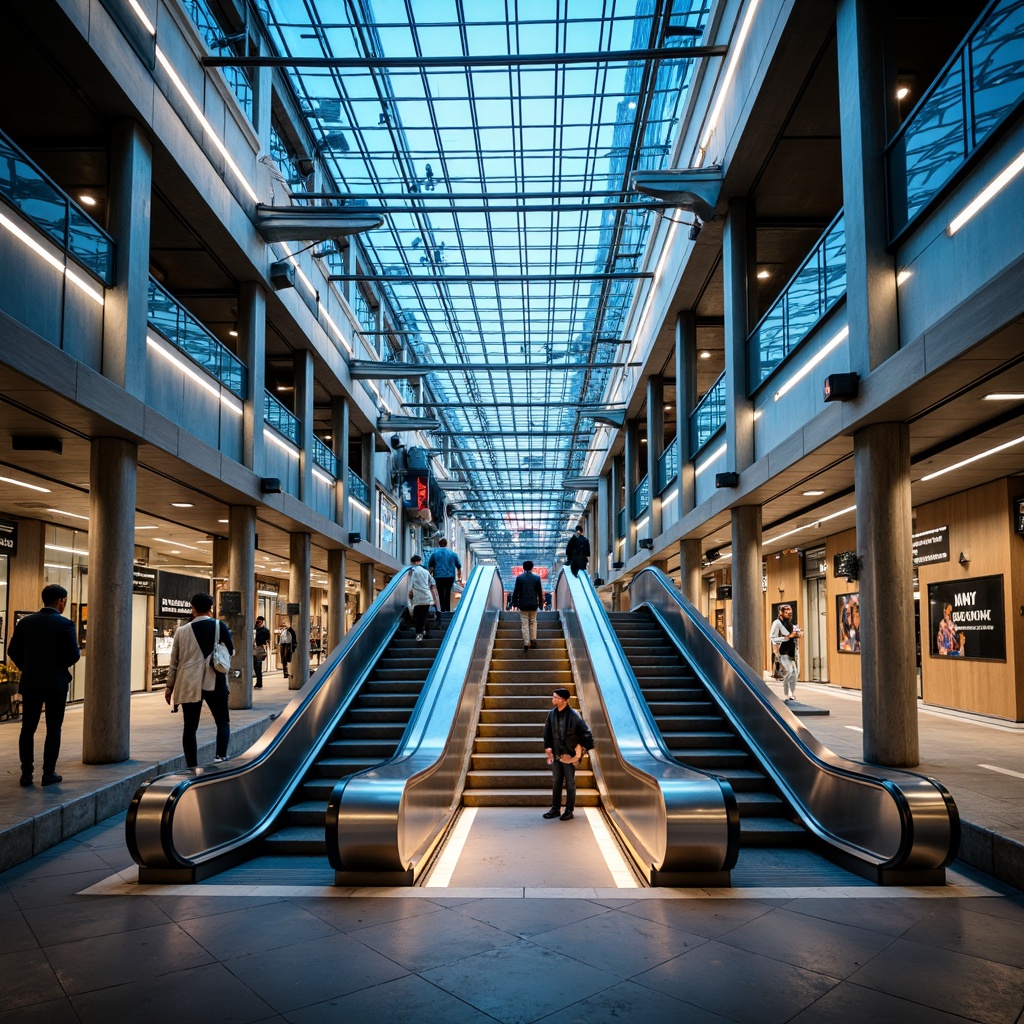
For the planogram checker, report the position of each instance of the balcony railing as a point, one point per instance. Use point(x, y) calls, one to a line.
point(188, 335)
point(284, 422)
point(641, 496)
point(811, 292)
point(980, 87)
point(668, 465)
point(325, 458)
point(708, 417)
point(221, 44)
point(39, 199)
point(620, 523)
point(357, 488)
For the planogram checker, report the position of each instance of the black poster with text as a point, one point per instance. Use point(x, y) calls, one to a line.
point(966, 619)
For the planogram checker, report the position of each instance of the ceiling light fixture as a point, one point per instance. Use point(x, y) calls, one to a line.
point(813, 494)
point(21, 483)
point(902, 92)
point(974, 458)
point(813, 362)
point(986, 195)
point(705, 354)
point(61, 512)
point(1004, 396)
point(87, 200)
point(182, 504)
point(763, 275)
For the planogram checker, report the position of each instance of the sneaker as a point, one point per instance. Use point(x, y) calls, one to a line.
point(258, 686)
point(26, 779)
point(220, 757)
point(567, 816)
point(419, 638)
point(51, 778)
point(526, 647)
point(533, 643)
point(553, 813)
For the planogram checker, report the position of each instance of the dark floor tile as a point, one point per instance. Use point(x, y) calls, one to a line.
point(620, 943)
point(364, 912)
point(413, 941)
point(520, 983)
point(851, 1004)
point(957, 926)
point(628, 1001)
point(42, 890)
point(15, 933)
point(51, 1011)
point(104, 960)
point(810, 943)
point(888, 916)
point(739, 985)
point(1009, 907)
point(26, 979)
point(201, 995)
point(255, 929)
point(709, 918)
point(86, 916)
point(313, 972)
point(531, 917)
point(964, 985)
point(186, 908)
point(408, 1000)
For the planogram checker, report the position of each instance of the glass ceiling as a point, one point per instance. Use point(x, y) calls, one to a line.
point(512, 247)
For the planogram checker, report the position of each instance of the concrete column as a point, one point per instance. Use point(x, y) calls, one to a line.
point(602, 540)
point(690, 570)
point(242, 577)
point(129, 201)
point(864, 96)
point(368, 475)
point(629, 466)
point(298, 593)
point(655, 447)
point(686, 401)
point(335, 596)
point(303, 362)
point(339, 440)
point(220, 558)
point(739, 267)
point(252, 344)
point(881, 466)
point(106, 725)
point(747, 596)
point(617, 589)
point(365, 587)
point(615, 488)
point(263, 93)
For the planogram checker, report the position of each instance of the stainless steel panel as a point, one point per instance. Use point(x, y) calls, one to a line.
point(894, 821)
point(680, 824)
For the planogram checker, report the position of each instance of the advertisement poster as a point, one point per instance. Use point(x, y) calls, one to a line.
point(848, 623)
point(966, 619)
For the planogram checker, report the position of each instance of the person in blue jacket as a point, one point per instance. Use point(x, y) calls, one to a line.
point(445, 567)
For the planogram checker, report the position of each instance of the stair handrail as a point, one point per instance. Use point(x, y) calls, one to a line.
point(188, 824)
point(680, 825)
point(895, 826)
point(383, 823)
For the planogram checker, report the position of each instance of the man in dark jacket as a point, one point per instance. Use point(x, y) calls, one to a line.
point(577, 551)
point(260, 639)
point(445, 567)
point(563, 732)
point(44, 646)
point(528, 596)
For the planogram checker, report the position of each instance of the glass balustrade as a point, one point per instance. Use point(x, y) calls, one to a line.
point(284, 422)
point(357, 488)
point(668, 465)
point(641, 496)
point(220, 44)
point(325, 458)
point(708, 417)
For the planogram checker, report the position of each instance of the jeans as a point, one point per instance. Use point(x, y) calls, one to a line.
point(55, 698)
point(563, 772)
point(217, 698)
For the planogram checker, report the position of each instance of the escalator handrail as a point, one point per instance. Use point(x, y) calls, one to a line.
point(185, 818)
point(675, 819)
point(891, 818)
point(387, 819)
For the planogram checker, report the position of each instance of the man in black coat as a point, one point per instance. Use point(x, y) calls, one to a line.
point(577, 551)
point(44, 646)
point(528, 596)
point(564, 732)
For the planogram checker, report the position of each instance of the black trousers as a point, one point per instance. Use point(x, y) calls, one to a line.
point(285, 653)
point(217, 699)
point(444, 592)
point(257, 671)
point(563, 773)
point(419, 617)
point(55, 698)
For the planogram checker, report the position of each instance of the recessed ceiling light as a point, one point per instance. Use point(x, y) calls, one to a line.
point(996, 396)
point(813, 494)
point(222, 520)
point(763, 275)
point(902, 92)
point(175, 551)
point(705, 354)
point(182, 504)
point(232, 334)
point(87, 200)
point(145, 527)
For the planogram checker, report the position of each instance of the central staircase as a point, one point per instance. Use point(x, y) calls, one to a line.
point(508, 767)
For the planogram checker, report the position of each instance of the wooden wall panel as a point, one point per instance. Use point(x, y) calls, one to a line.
point(980, 525)
point(843, 669)
point(785, 583)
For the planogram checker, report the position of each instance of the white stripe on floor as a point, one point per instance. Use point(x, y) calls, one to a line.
point(1002, 771)
point(853, 728)
point(620, 872)
point(441, 874)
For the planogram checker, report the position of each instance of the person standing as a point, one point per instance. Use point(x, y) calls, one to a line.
point(563, 733)
point(528, 596)
point(191, 679)
point(44, 646)
point(286, 642)
point(577, 551)
point(422, 593)
point(445, 567)
point(784, 636)
point(260, 639)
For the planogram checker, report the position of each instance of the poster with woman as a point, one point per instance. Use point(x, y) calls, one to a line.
point(967, 619)
point(848, 623)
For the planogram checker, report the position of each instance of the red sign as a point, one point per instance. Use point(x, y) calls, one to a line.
point(542, 572)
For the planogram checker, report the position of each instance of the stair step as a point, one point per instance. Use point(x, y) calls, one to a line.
point(771, 832)
point(303, 840)
point(524, 798)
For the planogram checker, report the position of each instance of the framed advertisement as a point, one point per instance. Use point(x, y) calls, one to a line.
point(848, 623)
point(966, 619)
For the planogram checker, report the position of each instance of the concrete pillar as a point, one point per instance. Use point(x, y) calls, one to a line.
point(262, 99)
point(864, 96)
point(655, 447)
point(106, 725)
point(125, 313)
point(242, 577)
point(629, 466)
point(303, 363)
point(298, 593)
point(881, 466)
point(252, 343)
point(617, 589)
point(690, 570)
point(686, 401)
point(365, 587)
point(335, 596)
point(747, 596)
point(367, 473)
point(339, 440)
point(739, 268)
point(605, 521)
point(220, 559)
point(615, 488)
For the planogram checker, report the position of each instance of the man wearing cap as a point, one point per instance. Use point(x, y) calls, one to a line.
point(564, 750)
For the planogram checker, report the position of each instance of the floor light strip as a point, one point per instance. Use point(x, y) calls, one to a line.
point(620, 871)
point(441, 876)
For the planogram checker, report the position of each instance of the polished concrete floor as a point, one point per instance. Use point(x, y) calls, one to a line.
point(538, 924)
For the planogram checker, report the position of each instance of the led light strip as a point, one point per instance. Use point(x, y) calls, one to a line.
point(974, 458)
point(812, 362)
point(986, 195)
point(817, 522)
point(713, 457)
point(225, 398)
point(323, 477)
point(270, 435)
